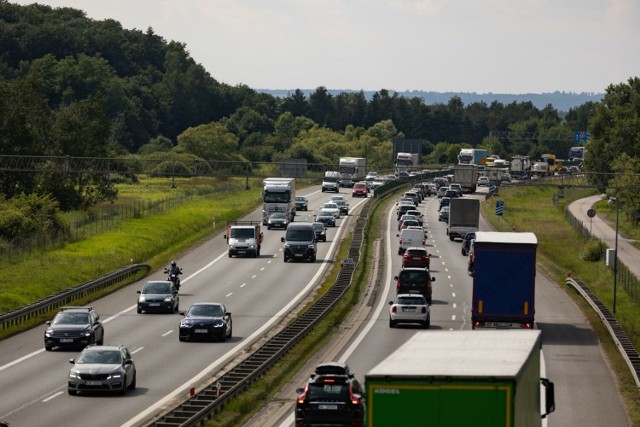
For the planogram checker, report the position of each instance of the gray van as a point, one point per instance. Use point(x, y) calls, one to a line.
point(300, 242)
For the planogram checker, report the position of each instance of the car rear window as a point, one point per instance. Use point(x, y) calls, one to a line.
point(328, 391)
point(411, 301)
point(408, 276)
point(417, 252)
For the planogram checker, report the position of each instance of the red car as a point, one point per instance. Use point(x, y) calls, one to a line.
point(416, 257)
point(360, 189)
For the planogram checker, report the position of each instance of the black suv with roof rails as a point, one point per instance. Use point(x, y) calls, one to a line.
point(332, 396)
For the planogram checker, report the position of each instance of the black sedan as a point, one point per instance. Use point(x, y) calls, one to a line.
point(302, 204)
point(277, 220)
point(327, 218)
point(206, 321)
point(320, 230)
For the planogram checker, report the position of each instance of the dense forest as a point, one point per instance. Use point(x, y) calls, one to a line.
point(70, 85)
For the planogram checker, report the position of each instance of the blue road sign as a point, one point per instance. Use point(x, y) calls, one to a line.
point(499, 207)
point(580, 136)
point(492, 189)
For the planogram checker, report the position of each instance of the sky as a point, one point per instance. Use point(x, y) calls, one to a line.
point(482, 46)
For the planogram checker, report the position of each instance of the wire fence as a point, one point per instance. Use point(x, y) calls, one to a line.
point(630, 283)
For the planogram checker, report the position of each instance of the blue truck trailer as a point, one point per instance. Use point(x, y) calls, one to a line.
point(504, 279)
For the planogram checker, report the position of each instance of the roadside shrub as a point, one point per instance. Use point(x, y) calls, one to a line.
point(592, 250)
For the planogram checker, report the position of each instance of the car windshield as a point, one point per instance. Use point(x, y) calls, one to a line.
point(410, 300)
point(277, 216)
point(330, 206)
point(108, 357)
point(325, 213)
point(318, 226)
point(300, 199)
point(71, 319)
point(157, 288)
point(295, 235)
point(206, 311)
point(241, 233)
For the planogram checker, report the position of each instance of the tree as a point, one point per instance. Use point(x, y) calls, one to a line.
point(212, 141)
point(614, 130)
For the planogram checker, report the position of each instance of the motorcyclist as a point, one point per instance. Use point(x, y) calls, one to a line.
point(174, 272)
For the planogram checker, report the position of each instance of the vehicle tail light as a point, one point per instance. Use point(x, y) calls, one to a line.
point(424, 241)
point(424, 309)
point(526, 325)
point(401, 240)
point(355, 400)
point(394, 309)
point(301, 398)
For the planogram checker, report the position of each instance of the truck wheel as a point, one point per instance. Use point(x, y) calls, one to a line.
point(451, 237)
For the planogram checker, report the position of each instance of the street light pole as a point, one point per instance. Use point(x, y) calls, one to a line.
point(615, 261)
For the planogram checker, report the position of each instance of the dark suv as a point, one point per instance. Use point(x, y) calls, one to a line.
point(415, 281)
point(74, 327)
point(300, 242)
point(332, 396)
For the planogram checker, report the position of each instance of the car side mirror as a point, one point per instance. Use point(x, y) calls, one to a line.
point(139, 292)
point(227, 313)
point(395, 277)
point(300, 390)
point(433, 279)
point(48, 322)
point(128, 362)
point(224, 237)
point(72, 361)
point(282, 239)
point(390, 302)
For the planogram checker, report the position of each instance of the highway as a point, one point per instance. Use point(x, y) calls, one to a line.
point(259, 293)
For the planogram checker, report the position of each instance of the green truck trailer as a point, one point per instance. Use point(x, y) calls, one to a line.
point(488, 378)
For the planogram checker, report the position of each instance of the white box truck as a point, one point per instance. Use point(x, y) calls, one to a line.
point(352, 170)
point(278, 195)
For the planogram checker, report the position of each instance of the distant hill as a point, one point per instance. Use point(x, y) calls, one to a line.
point(562, 101)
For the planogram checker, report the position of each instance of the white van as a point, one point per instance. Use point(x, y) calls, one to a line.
point(410, 237)
point(331, 181)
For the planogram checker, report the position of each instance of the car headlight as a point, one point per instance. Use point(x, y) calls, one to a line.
point(252, 246)
point(74, 374)
point(287, 245)
point(48, 333)
point(218, 325)
point(141, 298)
point(168, 298)
point(232, 247)
point(86, 333)
point(186, 323)
point(115, 376)
point(311, 246)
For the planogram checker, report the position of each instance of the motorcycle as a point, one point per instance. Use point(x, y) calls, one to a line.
point(173, 277)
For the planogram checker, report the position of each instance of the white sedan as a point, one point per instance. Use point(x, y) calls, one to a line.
point(333, 208)
point(409, 308)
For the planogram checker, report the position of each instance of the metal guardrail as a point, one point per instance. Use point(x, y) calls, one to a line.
point(619, 336)
point(46, 305)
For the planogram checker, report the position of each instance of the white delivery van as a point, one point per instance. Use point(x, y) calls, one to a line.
point(410, 237)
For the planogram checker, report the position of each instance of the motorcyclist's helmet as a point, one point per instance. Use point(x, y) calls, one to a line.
point(173, 263)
